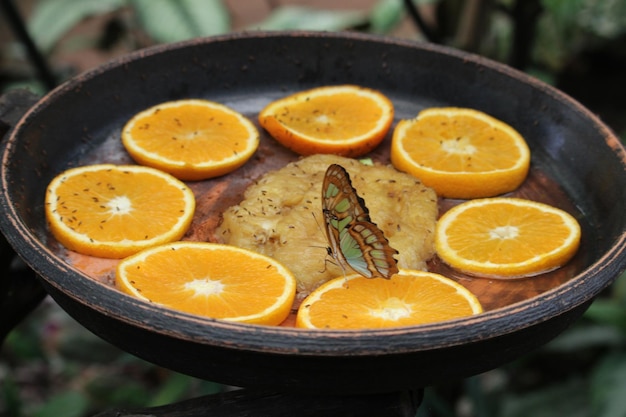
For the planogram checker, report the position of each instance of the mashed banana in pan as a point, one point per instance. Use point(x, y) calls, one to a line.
point(281, 216)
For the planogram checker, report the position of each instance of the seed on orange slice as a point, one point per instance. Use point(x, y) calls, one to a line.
point(209, 279)
point(191, 139)
point(409, 298)
point(345, 120)
point(112, 211)
point(461, 153)
point(506, 237)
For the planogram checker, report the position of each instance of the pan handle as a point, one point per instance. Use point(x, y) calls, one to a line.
point(20, 290)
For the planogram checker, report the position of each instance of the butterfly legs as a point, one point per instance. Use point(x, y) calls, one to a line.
point(329, 258)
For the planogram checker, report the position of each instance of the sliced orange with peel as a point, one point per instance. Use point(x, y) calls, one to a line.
point(212, 280)
point(344, 120)
point(191, 139)
point(506, 237)
point(112, 211)
point(461, 153)
point(408, 298)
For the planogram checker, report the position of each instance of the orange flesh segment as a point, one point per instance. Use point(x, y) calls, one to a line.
point(506, 237)
point(488, 149)
point(407, 299)
point(217, 281)
point(119, 215)
point(327, 123)
point(168, 131)
point(113, 211)
point(344, 120)
point(461, 153)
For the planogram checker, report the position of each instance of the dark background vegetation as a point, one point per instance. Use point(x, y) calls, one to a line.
point(51, 366)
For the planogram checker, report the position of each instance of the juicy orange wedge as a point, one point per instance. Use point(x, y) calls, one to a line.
point(191, 139)
point(112, 211)
point(506, 237)
point(345, 120)
point(213, 280)
point(407, 299)
point(461, 153)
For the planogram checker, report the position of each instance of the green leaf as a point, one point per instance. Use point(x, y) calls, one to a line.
point(51, 19)
point(108, 390)
point(568, 26)
point(607, 311)
point(305, 18)
point(619, 289)
point(479, 395)
point(67, 404)
point(580, 337)
point(10, 396)
point(23, 342)
point(386, 15)
point(566, 399)
point(172, 390)
point(86, 347)
point(132, 393)
point(606, 18)
point(608, 385)
point(563, 11)
point(177, 387)
point(176, 20)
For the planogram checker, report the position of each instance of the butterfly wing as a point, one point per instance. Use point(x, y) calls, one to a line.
point(340, 197)
point(376, 253)
point(354, 239)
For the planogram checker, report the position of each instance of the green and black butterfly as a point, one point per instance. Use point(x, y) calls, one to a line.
point(354, 239)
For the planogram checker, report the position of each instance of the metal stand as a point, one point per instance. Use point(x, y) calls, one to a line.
point(271, 404)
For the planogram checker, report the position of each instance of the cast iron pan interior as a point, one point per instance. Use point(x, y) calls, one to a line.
point(577, 164)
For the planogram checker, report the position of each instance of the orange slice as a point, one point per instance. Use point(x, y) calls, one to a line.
point(345, 120)
point(213, 280)
point(407, 299)
point(191, 139)
point(506, 237)
point(461, 153)
point(112, 211)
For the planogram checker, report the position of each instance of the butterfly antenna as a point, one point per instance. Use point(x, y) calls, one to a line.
point(326, 248)
point(317, 223)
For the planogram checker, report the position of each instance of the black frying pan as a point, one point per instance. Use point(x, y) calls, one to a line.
point(578, 164)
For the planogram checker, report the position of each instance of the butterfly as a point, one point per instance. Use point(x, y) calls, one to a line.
point(354, 239)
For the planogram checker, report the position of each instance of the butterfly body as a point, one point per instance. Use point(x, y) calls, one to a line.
point(355, 241)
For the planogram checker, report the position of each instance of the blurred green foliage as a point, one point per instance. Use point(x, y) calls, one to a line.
point(51, 366)
point(564, 28)
point(569, 27)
